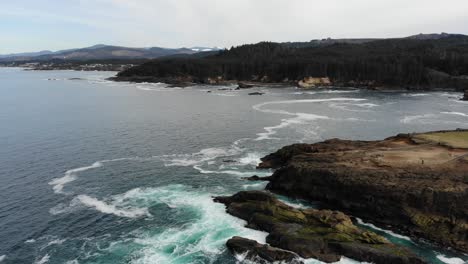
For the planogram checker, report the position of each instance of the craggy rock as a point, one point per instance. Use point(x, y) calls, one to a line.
point(465, 96)
point(256, 178)
point(260, 253)
point(244, 85)
point(321, 234)
point(418, 184)
point(311, 82)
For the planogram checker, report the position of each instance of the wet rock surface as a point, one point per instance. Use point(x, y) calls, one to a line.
point(321, 234)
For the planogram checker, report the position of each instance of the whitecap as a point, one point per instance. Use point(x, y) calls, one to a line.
point(203, 155)
point(231, 172)
point(204, 236)
point(455, 113)
point(299, 118)
point(111, 208)
point(43, 260)
point(252, 158)
point(30, 241)
point(416, 94)
point(411, 118)
point(71, 175)
point(382, 230)
point(2, 258)
point(255, 186)
point(449, 260)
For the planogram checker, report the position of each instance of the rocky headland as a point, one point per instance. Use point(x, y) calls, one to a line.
point(415, 183)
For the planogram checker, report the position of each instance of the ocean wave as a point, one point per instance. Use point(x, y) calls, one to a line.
point(416, 94)
point(71, 175)
point(411, 118)
point(299, 118)
point(203, 155)
point(115, 208)
point(204, 237)
point(2, 258)
point(43, 260)
point(382, 230)
point(364, 107)
point(252, 158)
point(455, 113)
point(448, 260)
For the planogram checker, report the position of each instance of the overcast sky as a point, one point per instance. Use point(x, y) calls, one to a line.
point(31, 25)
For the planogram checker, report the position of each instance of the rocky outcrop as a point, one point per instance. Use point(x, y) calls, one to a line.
point(321, 234)
point(311, 82)
point(244, 85)
point(465, 96)
point(417, 183)
point(259, 253)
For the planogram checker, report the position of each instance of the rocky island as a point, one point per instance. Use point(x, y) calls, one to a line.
point(416, 184)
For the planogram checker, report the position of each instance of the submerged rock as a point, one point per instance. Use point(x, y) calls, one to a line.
point(465, 96)
point(321, 234)
point(416, 183)
point(256, 93)
point(259, 253)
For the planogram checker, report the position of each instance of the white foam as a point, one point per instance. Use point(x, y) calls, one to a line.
point(299, 118)
point(448, 260)
point(252, 158)
point(411, 118)
point(416, 94)
point(71, 175)
point(455, 113)
point(203, 236)
point(2, 258)
point(43, 260)
point(111, 208)
point(364, 107)
point(30, 241)
point(56, 242)
point(203, 155)
point(382, 230)
point(231, 172)
point(255, 186)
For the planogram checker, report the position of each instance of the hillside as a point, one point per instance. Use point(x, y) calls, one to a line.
point(422, 62)
point(100, 52)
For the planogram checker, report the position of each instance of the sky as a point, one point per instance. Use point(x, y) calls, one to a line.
point(33, 25)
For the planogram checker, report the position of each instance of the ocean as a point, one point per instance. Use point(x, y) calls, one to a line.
point(93, 171)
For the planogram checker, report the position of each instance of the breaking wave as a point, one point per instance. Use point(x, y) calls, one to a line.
point(382, 230)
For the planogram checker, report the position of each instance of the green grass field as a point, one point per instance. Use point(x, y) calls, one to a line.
point(454, 139)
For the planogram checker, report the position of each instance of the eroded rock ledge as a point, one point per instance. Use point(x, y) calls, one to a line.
point(416, 183)
point(321, 234)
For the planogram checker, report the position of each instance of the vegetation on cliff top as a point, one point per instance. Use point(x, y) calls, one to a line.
point(406, 62)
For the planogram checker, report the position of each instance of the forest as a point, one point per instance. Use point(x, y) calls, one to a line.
point(405, 62)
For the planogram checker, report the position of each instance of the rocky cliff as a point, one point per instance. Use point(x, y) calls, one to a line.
point(321, 234)
point(415, 183)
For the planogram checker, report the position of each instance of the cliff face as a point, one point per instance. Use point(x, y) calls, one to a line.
point(415, 183)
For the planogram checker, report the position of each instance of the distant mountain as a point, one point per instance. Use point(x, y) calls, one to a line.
point(26, 54)
point(102, 52)
point(434, 36)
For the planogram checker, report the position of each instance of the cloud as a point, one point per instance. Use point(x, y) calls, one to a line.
point(175, 23)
